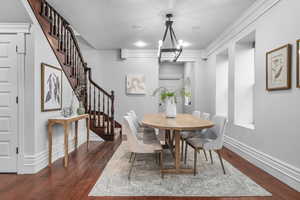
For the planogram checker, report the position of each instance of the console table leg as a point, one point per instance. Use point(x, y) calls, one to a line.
point(76, 134)
point(50, 143)
point(87, 131)
point(66, 144)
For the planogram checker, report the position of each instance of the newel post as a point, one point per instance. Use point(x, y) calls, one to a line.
point(112, 112)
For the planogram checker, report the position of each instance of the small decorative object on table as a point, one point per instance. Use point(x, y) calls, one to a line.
point(170, 99)
point(80, 93)
point(69, 111)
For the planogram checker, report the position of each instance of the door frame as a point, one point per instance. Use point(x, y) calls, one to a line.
point(19, 30)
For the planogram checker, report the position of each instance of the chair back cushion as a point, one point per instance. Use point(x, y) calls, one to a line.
point(218, 131)
point(205, 116)
point(130, 131)
point(134, 118)
point(197, 113)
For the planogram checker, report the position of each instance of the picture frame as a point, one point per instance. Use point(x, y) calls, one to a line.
point(298, 63)
point(135, 84)
point(51, 88)
point(278, 68)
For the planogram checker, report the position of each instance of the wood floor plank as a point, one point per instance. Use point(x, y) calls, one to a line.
point(86, 166)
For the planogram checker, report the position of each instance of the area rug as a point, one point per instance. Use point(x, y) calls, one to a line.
point(146, 180)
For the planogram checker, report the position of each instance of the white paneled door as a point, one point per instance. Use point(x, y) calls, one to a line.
point(8, 104)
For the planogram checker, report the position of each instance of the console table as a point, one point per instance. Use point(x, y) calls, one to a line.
point(66, 122)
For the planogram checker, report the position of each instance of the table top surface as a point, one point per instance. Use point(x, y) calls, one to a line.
point(181, 122)
point(71, 118)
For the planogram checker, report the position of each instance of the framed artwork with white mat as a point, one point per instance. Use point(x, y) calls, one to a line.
point(278, 68)
point(51, 88)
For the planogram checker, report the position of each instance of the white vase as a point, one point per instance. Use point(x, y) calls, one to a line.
point(171, 108)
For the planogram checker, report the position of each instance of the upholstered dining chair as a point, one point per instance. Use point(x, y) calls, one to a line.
point(142, 133)
point(201, 134)
point(138, 124)
point(213, 140)
point(189, 134)
point(138, 147)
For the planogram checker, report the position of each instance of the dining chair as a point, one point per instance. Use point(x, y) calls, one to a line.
point(189, 134)
point(138, 147)
point(199, 133)
point(142, 133)
point(213, 140)
point(137, 123)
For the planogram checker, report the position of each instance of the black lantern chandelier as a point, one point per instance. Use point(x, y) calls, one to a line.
point(169, 50)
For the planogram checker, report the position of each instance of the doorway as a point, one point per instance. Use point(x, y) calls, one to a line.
point(8, 104)
point(171, 77)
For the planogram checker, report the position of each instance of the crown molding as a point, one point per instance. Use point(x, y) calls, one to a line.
point(250, 16)
point(15, 27)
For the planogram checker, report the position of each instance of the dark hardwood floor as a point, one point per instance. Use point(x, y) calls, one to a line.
point(85, 167)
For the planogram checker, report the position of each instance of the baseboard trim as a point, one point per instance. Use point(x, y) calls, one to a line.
point(35, 163)
point(283, 171)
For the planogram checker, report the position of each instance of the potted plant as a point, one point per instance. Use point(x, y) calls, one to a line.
point(170, 99)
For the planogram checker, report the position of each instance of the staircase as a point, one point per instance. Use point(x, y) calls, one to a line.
point(99, 103)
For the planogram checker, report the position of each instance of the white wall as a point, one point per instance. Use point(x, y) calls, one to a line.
point(171, 69)
point(222, 63)
point(109, 71)
point(274, 144)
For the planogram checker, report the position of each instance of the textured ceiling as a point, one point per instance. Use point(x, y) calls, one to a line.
point(111, 24)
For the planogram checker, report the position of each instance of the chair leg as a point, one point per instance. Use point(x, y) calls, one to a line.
point(220, 157)
point(130, 157)
point(211, 158)
point(130, 170)
point(182, 144)
point(205, 154)
point(195, 162)
point(161, 163)
point(185, 152)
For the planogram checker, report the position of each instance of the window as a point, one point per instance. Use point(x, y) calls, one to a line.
point(222, 62)
point(244, 81)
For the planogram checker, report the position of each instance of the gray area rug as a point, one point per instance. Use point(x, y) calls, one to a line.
point(146, 180)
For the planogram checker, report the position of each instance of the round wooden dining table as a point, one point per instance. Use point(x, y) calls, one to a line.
point(173, 127)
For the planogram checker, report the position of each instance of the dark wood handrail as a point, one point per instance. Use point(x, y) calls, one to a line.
point(98, 87)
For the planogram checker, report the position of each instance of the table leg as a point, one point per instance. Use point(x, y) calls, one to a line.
point(50, 143)
point(76, 134)
point(177, 149)
point(66, 133)
point(88, 131)
point(177, 169)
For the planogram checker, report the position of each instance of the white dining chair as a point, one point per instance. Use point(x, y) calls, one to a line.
point(142, 133)
point(213, 140)
point(138, 124)
point(136, 146)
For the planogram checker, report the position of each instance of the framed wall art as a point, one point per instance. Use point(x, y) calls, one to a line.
point(135, 84)
point(298, 63)
point(278, 68)
point(51, 88)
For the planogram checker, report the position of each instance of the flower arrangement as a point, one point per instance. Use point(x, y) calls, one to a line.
point(166, 94)
point(170, 98)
